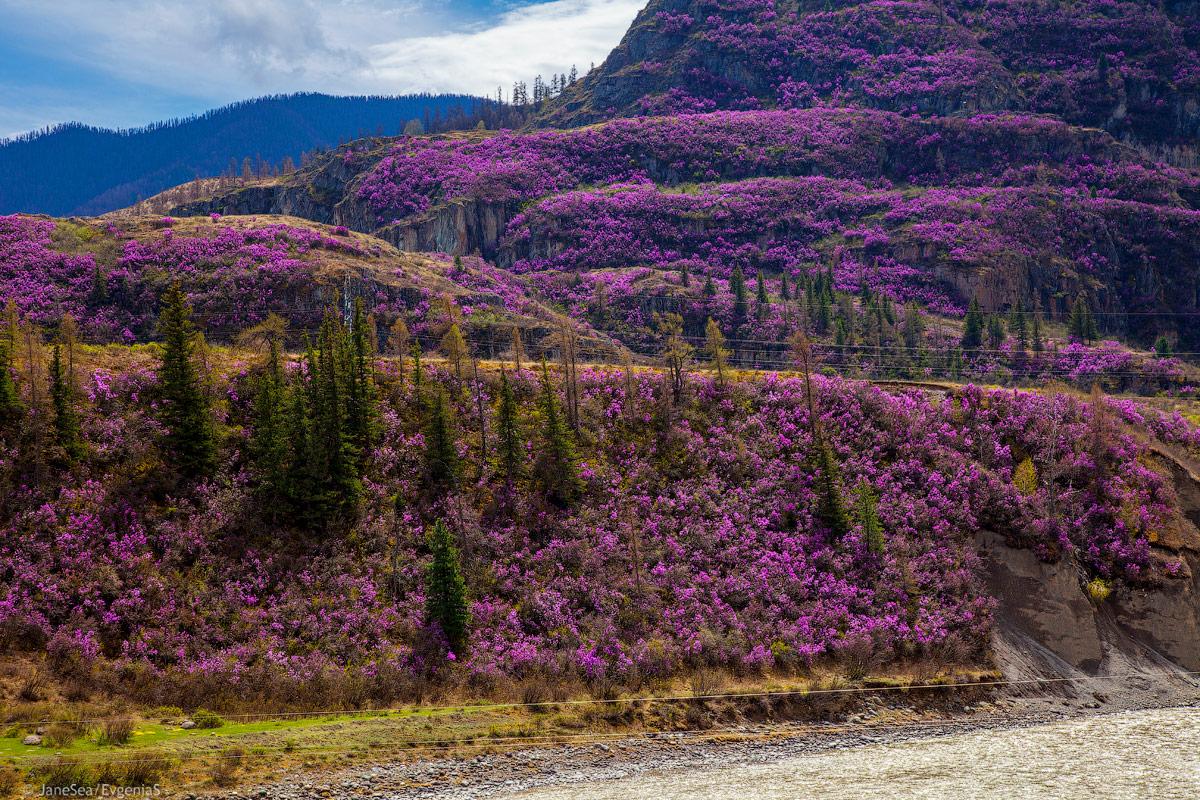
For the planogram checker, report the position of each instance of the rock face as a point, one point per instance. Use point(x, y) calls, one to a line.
point(1131, 69)
point(1047, 603)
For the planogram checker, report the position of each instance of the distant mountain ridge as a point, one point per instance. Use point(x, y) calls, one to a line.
point(79, 169)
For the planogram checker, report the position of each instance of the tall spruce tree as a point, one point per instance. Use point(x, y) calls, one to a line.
point(866, 512)
point(510, 445)
point(556, 468)
point(360, 389)
point(760, 296)
point(185, 412)
point(831, 509)
point(737, 287)
point(270, 438)
point(972, 338)
point(333, 458)
point(446, 590)
point(62, 399)
point(1081, 325)
point(442, 465)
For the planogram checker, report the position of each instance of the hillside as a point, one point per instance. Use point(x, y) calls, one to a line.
point(1130, 67)
point(76, 169)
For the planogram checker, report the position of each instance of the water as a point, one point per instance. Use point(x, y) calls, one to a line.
point(1142, 754)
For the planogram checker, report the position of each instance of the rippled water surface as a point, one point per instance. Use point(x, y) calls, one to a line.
point(1144, 754)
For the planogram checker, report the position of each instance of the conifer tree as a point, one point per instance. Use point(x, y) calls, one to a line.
point(737, 287)
point(510, 445)
point(418, 374)
point(441, 450)
point(824, 313)
point(333, 456)
point(1019, 326)
point(995, 331)
point(191, 439)
point(913, 330)
point(676, 350)
point(831, 509)
point(1035, 333)
point(270, 438)
point(760, 296)
point(454, 347)
point(717, 352)
point(866, 510)
point(62, 399)
point(556, 468)
point(1162, 347)
point(446, 590)
point(972, 338)
point(785, 292)
point(1081, 325)
point(10, 397)
point(360, 390)
point(710, 289)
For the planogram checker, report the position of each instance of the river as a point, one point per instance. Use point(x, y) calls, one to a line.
point(1138, 754)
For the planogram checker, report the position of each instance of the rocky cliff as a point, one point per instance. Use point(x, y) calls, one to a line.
point(1130, 67)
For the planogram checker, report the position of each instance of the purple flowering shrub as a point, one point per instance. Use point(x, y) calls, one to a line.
point(1130, 66)
point(734, 568)
point(688, 146)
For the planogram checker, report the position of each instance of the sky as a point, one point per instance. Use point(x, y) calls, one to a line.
point(123, 63)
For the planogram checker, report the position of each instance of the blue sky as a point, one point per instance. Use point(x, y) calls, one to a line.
point(128, 62)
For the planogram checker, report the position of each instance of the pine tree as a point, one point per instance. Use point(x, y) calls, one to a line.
point(866, 512)
point(824, 315)
point(334, 459)
point(737, 287)
point(441, 450)
point(270, 439)
point(62, 399)
point(1035, 333)
point(1019, 326)
point(717, 352)
point(510, 445)
point(710, 289)
point(1162, 347)
point(1081, 325)
point(359, 360)
point(760, 296)
point(785, 292)
point(191, 439)
point(556, 468)
point(446, 590)
point(831, 510)
point(972, 338)
point(995, 331)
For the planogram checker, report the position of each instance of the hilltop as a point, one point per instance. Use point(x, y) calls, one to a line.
point(1130, 67)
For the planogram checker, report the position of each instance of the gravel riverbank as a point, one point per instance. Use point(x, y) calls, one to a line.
point(879, 720)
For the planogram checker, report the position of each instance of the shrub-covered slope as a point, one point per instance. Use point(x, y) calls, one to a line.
point(110, 275)
point(700, 533)
point(1006, 208)
point(1129, 66)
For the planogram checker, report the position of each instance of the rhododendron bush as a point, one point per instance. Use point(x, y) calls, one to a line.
point(732, 565)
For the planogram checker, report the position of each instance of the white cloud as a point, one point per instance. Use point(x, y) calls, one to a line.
point(221, 50)
point(539, 39)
